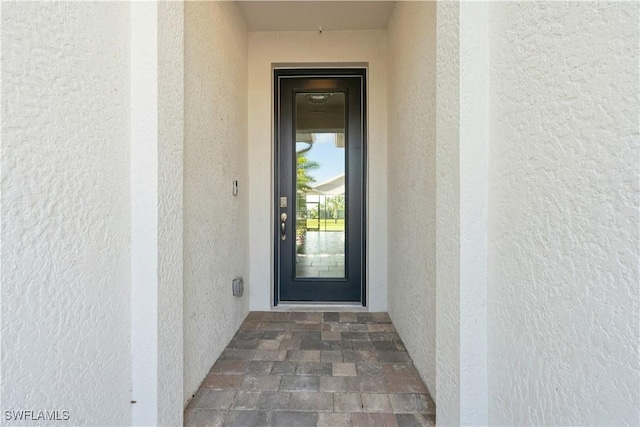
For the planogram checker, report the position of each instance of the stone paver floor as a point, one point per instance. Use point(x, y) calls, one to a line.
point(313, 369)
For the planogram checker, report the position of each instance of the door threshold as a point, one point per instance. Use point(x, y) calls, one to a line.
point(312, 306)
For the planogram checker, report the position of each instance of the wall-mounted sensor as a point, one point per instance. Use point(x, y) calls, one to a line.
point(235, 187)
point(237, 287)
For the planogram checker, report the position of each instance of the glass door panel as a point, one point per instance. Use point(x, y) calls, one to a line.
point(321, 208)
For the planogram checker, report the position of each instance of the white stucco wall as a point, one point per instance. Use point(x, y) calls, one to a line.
point(447, 394)
point(170, 211)
point(328, 48)
point(412, 181)
point(157, 62)
point(144, 212)
point(65, 210)
point(473, 174)
point(563, 293)
point(215, 153)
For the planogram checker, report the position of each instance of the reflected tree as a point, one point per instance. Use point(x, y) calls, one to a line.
point(304, 181)
point(335, 205)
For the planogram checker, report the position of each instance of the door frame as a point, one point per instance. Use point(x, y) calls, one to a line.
point(278, 74)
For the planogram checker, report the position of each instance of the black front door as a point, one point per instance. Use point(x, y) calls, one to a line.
point(320, 159)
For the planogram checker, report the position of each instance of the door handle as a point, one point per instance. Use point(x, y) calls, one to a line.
point(283, 226)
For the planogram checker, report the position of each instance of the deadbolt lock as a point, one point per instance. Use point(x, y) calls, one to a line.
point(283, 217)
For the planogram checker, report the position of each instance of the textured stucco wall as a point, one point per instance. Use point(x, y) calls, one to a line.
point(65, 210)
point(157, 62)
point(215, 153)
point(170, 211)
point(448, 214)
point(412, 181)
point(267, 48)
point(144, 212)
point(563, 291)
point(474, 170)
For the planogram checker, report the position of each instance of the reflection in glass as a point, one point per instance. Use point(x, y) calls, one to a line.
point(320, 185)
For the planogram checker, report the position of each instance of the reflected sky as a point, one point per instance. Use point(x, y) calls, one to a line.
point(330, 158)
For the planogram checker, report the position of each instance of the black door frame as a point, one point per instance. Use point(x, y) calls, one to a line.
point(304, 73)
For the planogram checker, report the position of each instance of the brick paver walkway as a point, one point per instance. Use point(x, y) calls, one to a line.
point(313, 369)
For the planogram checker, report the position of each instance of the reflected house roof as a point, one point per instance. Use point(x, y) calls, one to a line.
point(332, 186)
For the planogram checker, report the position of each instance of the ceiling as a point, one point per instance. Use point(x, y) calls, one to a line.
point(310, 15)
